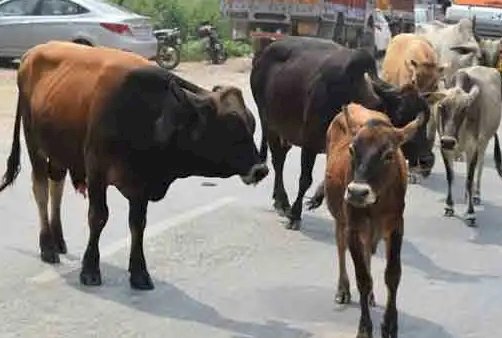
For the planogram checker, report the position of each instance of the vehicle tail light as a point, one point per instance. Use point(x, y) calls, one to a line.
point(118, 28)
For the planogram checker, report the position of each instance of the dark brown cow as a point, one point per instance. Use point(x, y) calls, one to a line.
point(299, 84)
point(110, 118)
point(365, 182)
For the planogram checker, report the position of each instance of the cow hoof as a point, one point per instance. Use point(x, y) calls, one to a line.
point(90, 278)
point(389, 331)
point(61, 247)
point(282, 208)
point(364, 334)
point(476, 200)
point(49, 256)
point(470, 219)
point(294, 224)
point(141, 281)
point(314, 203)
point(449, 212)
point(343, 297)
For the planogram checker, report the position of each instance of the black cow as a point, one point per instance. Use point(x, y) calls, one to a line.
point(125, 123)
point(299, 84)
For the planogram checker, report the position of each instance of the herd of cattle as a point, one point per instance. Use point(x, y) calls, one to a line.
point(111, 118)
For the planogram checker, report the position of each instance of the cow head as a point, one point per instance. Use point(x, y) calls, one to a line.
point(403, 105)
point(462, 44)
point(425, 75)
point(218, 136)
point(452, 107)
point(374, 153)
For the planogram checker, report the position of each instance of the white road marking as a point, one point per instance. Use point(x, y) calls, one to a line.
point(68, 266)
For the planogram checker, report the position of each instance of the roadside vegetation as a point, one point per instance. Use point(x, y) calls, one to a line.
point(187, 15)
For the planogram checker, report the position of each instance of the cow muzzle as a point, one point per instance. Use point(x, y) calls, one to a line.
point(448, 142)
point(257, 173)
point(425, 164)
point(360, 195)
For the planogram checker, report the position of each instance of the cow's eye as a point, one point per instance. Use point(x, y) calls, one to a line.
point(388, 157)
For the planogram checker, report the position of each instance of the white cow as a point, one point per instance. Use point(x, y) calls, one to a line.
point(468, 115)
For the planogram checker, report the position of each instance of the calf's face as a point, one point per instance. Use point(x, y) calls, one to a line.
point(374, 155)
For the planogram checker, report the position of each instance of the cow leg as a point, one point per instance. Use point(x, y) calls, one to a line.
point(315, 201)
point(308, 161)
point(392, 277)
point(279, 152)
point(343, 292)
point(48, 252)
point(367, 261)
point(472, 160)
point(56, 188)
point(140, 278)
point(476, 196)
point(448, 211)
point(364, 284)
point(97, 216)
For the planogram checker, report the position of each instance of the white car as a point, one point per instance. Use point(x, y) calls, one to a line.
point(383, 34)
point(26, 23)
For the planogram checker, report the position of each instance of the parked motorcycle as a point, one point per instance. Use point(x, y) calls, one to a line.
point(169, 47)
point(213, 46)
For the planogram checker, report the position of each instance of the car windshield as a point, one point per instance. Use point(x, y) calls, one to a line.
point(109, 7)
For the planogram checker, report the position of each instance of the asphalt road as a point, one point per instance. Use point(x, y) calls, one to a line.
point(224, 266)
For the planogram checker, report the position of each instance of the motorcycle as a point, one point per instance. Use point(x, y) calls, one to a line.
point(169, 47)
point(213, 46)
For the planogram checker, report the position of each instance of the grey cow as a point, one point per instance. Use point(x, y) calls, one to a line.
point(468, 115)
point(455, 44)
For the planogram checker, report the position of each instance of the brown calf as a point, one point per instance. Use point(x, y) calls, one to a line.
point(411, 59)
point(365, 186)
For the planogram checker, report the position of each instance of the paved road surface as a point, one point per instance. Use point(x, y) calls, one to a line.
point(224, 266)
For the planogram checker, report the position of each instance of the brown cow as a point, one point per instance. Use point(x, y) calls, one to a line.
point(110, 118)
point(411, 59)
point(365, 182)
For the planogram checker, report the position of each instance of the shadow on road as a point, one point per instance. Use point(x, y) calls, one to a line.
point(169, 301)
point(316, 304)
point(321, 229)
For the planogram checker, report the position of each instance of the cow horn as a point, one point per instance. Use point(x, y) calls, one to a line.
point(191, 87)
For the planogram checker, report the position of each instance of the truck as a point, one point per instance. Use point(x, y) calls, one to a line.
point(488, 14)
point(343, 21)
point(399, 13)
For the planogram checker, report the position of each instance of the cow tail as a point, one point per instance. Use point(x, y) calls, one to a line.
point(497, 155)
point(13, 162)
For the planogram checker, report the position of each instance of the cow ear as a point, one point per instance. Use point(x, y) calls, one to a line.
point(412, 68)
point(217, 88)
point(408, 132)
point(201, 110)
point(473, 93)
